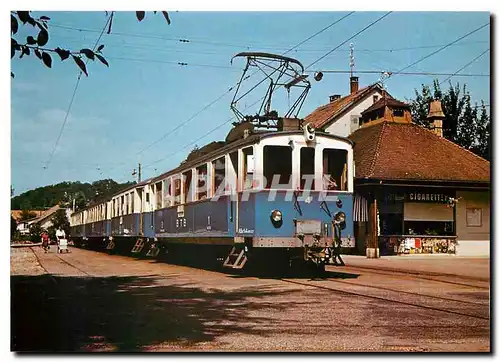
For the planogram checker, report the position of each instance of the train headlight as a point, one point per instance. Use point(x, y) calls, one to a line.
point(277, 218)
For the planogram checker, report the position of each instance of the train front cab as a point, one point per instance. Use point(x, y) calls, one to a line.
point(295, 201)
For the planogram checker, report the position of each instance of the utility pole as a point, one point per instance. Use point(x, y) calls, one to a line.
point(137, 173)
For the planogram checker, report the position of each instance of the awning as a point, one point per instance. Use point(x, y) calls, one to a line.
point(360, 212)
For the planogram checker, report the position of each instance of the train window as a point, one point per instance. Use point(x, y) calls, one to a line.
point(233, 157)
point(177, 190)
point(122, 204)
point(307, 168)
point(334, 169)
point(248, 167)
point(202, 184)
point(219, 172)
point(132, 196)
point(158, 194)
point(186, 186)
point(278, 165)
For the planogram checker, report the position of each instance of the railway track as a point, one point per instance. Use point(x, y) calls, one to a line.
point(386, 299)
point(54, 279)
point(424, 276)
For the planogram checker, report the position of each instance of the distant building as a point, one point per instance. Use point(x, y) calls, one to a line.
point(342, 115)
point(415, 191)
point(44, 219)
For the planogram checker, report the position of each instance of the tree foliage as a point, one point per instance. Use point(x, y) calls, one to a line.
point(13, 227)
point(465, 124)
point(36, 44)
point(59, 220)
point(35, 233)
point(65, 192)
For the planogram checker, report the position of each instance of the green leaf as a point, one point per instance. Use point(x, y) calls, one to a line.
point(81, 64)
point(13, 24)
point(100, 47)
point(43, 37)
point(44, 18)
point(102, 60)
point(12, 74)
point(88, 53)
point(30, 40)
point(47, 59)
point(64, 54)
point(38, 54)
point(140, 15)
point(13, 47)
point(23, 16)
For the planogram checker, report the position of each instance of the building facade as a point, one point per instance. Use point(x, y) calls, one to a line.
point(415, 191)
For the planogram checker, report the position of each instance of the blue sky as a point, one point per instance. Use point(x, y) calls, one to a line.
point(120, 110)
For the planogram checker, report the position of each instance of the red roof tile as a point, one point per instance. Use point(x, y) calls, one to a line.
point(403, 151)
point(326, 113)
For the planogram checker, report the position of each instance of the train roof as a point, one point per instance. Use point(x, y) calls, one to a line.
point(228, 147)
point(254, 138)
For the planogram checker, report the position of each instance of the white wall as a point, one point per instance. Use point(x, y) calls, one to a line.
point(342, 126)
point(473, 240)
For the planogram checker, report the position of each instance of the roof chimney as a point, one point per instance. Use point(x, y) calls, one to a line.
point(334, 97)
point(354, 84)
point(436, 116)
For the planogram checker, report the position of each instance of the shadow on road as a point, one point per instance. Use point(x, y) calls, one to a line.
point(127, 313)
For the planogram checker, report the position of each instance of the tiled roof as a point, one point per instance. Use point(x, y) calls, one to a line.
point(16, 214)
point(391, 102)
point(324, 114)
point(406, 151)
point(46, 214)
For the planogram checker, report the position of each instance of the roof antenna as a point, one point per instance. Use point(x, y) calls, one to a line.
point(351, 57)
point(383, 77)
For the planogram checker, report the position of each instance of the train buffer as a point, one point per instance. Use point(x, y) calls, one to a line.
point(237, 258)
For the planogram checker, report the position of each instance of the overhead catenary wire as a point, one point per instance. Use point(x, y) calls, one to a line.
point(440, 49)
point(221, 125)
point(190, 40)
point(350, 38)
point(232, 87)
point(465, 66)
point(73, 98)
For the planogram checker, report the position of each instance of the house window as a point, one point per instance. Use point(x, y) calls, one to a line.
point(375, 98)
point(474, 217)
point(354, 123)
point(398, 112)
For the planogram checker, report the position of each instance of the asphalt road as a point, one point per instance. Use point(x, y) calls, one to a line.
point(91, 301)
